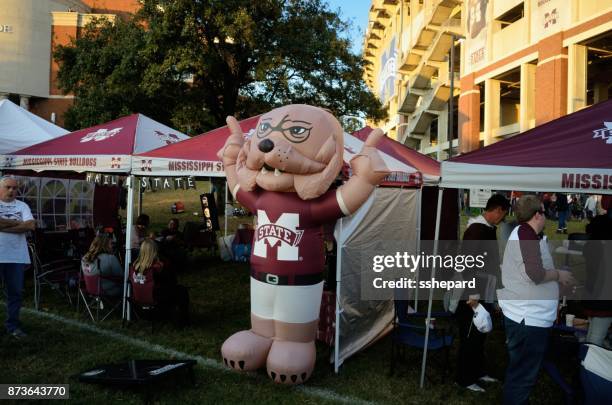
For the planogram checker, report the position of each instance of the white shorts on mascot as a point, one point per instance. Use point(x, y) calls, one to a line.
point(283, 175)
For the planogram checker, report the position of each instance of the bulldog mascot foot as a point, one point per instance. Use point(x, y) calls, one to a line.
point(283, 174)
point(291, 362)
point(245, 351)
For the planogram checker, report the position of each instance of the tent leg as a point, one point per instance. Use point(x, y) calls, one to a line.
point(338, 310)
point(128, 244)
point(139, 212)
point(433, 274)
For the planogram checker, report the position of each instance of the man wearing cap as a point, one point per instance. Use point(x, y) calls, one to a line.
point(15, 220)
point(528, 300)
point(479, 238)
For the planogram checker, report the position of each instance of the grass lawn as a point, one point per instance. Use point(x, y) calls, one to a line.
point(57, 349)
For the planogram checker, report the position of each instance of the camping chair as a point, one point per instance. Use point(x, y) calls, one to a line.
point(97, 302)
point(409, 330)
point(141, 298)
point(196, 235)
point(596, 373)
point(60, 276)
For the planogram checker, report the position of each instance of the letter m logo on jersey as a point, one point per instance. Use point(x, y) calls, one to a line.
point(282, 234)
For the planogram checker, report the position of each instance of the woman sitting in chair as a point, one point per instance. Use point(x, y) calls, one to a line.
point(99, 261)
point(167, 292)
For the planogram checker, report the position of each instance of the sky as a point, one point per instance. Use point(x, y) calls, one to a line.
point(355, 12)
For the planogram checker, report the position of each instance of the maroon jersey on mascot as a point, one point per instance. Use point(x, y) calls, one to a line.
point(289, 230)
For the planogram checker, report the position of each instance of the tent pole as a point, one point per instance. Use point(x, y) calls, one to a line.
point(433, 274)
point(139, 212)
point(338, 310)
point(418, 244)
point(140, 195)
point(225, 209)
point(128, 244)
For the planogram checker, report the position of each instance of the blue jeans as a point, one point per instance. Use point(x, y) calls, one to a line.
point(12, 274)
point(526, 349)
point(562, 216)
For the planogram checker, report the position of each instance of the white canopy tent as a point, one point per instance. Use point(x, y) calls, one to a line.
point(19, 128)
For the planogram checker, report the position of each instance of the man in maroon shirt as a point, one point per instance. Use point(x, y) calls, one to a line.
point(283, 175)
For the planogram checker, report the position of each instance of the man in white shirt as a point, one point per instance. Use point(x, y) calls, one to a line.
point(528, 300)
point(15, 220)
point(590, 206)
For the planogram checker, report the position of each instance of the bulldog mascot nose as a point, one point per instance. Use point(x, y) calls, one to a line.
point(283, 175)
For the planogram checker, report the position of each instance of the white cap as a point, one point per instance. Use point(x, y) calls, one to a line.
point(482, 319)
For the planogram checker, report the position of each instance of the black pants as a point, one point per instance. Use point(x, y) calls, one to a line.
point(470, 357)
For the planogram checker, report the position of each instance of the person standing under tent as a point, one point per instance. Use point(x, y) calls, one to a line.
point(590, 207)
point(598, 259)
point(15, 220)
point(606, 204)
point(562, 209)
point(480, 236)
point(528, 300)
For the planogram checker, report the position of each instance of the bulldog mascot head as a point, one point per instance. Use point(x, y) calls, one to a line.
point(283, 175)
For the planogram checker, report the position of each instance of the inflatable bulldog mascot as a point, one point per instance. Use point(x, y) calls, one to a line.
point(282, 174)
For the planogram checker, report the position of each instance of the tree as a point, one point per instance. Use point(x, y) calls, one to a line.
point(190, 63)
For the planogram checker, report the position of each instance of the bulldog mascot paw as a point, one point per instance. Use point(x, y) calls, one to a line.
point(282, 174)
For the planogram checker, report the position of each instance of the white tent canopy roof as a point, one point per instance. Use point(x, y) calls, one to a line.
point(19, 128)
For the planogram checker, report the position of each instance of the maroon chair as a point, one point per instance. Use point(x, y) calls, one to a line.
point(142, 299)
point(96, 300)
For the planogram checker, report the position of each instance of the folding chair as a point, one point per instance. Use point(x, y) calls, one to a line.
point(596, 374)
point(60, 276)
point(97, 302)
point(409, 331)
point(141, 298)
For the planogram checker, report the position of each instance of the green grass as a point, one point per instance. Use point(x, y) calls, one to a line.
point(219, 291)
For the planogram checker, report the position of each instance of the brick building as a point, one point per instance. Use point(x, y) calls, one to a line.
point(29, 31)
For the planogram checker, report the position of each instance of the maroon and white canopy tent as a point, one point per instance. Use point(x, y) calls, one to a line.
point(198, 157)
point(571, 154)
point(106, 148)
point(103, 148)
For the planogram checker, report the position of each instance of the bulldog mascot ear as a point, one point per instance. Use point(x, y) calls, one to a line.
point(283, 174)
point(314, 185)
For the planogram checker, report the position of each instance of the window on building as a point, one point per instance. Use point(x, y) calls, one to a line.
point(433, 131)
point(599, 68)
point(514, 14)
point(509, 99)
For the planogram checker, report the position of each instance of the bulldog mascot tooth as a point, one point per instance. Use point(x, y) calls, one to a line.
point(282, 174)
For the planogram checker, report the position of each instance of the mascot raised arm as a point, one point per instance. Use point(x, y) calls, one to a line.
point(283, 175)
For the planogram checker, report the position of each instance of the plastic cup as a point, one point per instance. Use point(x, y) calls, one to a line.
point(569, 320)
